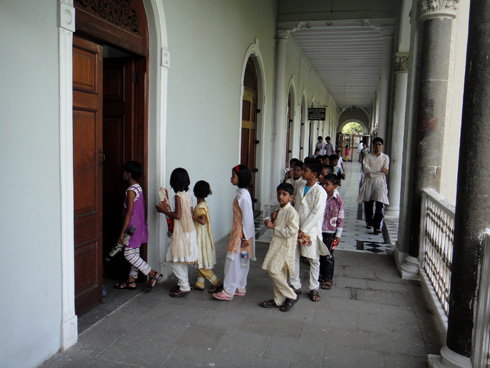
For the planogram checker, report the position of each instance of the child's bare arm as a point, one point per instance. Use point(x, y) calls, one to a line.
point(199, 219)
point(177, 214)
point(129, 213)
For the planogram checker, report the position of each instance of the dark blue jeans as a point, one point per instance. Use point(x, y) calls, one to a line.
point(327, 263)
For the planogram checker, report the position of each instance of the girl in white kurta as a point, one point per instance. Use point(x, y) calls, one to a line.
point(182, 250)
point(205, 245)
point(311, 210)
point(280, 256)
point(242, 237)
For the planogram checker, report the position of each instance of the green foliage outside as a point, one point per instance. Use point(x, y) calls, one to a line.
point(352, 128)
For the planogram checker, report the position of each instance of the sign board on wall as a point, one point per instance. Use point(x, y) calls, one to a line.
point(316, 113)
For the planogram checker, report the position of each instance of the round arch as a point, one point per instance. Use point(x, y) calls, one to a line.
point(357, 114)
point(292, 126)
point(361, 123)
point(253, 52)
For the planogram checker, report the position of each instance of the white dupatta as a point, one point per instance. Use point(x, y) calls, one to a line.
point(245, 203)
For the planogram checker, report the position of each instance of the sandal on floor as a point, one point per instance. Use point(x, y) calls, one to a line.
point(126, 284)
point(156, 279)
point(314, 296)
point(175, 288)
point(288, 304)
point(195, 287)
point(240, 293)
point(215, 288)
point(222, 296)
point(268, 304)
point(296, 291)
point(327, 285)
point(179, 293)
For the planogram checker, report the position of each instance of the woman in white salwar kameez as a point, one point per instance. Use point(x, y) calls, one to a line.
point(242, 237)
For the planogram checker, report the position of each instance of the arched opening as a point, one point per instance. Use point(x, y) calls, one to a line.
point(248, 151)
point(110, 127)
point(289, 127)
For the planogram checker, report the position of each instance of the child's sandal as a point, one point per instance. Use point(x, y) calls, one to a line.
point(314, 296)
point(288, 304)
point(268, 304)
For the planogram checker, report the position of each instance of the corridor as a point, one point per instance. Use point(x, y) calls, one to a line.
point(370, 318)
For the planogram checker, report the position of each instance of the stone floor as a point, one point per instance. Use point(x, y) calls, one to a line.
point(370, 318)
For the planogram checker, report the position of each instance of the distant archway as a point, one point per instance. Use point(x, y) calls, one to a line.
point(354, 114)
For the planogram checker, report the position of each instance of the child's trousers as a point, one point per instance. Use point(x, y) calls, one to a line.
point(206, 274)
point(281, 287)
point(181, 271)
point(314, 272)
point(235, 275)
point(132, 255)
point(327, 263)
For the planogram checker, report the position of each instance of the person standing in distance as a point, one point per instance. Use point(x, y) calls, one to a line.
point(374, 190)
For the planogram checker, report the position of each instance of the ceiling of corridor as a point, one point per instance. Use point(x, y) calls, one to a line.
point(347, 57)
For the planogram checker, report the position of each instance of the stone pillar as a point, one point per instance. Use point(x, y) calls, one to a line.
point(278, 137)
point(473, 200)
point(280, 113)
point(437, 18)
point(396, 154)
point(384, 90)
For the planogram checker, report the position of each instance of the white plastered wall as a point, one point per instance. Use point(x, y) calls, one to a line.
point(208, 43)
point(303, 77)
point(30, 322)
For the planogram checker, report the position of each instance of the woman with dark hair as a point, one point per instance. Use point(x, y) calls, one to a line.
point(241, 245)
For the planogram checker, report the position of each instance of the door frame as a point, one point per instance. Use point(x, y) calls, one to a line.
point(156, 110)
point(254, 53)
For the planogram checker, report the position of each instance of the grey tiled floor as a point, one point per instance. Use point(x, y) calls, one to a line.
point(370, 318)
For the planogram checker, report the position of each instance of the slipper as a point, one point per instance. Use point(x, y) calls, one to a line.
point(150, 286)
point(288, 304)
point(195, 287)
point(268, 304)
point(214, 288)
point(120, 286)
point(327, 285)
point(179, 293)
point(240, 293)
point(314, 296)
point(222, 296)
point(175, 288)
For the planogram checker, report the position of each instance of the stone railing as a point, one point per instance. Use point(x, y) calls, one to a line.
point(481, 343)
point(436, 249)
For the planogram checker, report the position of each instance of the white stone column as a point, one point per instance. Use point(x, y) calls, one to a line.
point(278, 137)
point(384, 91)
point(279, 130)
point(396, 154)
point(66, 27)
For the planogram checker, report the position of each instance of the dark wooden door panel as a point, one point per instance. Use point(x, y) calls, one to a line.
point(119, 145)
point(87, 172)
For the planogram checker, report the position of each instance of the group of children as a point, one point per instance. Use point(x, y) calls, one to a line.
point(308, 222)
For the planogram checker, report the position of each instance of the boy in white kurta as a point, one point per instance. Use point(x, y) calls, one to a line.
point(280, 256)
point(310, 210)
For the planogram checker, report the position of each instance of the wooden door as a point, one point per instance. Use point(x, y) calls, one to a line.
point(288, 131)
point(123, 141)
point(118, 123)
point(249, 135)
point(87, 172)
point(249, 123)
